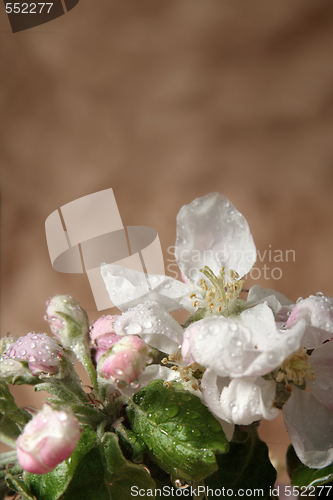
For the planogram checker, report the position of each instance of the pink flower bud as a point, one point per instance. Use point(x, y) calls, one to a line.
point(125, 361)
point(42, 353)
point(48, 439)
point(103, 335)
point(101, 327)
point(60, 306)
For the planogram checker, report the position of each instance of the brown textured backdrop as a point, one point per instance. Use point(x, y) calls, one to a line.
point(165, 101)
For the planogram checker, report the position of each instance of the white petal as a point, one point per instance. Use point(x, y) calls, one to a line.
point(127, 287)
point(246, 400)
point(218, 343)
point(238, 346)
point(321, 361)
point(310, 427)
point(211, 387)
point(279, 303)
point(318, 313)
point(211, 392)
point(211, 232)
point(260, 320)
point(152, 323)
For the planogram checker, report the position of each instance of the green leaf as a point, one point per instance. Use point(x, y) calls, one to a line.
point(121, 473)
point(52, 485)
point(88, 482)
point(8, 427)
point(8, 406)
point(245, 467)
point(304, 476)
point(181, 434)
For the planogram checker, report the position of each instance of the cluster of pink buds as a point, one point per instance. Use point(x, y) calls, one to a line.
point(48, 439)
point(125, 361)
point(102, 335)
point(42, 353)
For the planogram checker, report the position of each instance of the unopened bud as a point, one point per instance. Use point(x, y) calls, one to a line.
point(125, 361)
point(42, 353)
point(101, 327)
point(67, 320)
point(103, 335)
point(48, 439)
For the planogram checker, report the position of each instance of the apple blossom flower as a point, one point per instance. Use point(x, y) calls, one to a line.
point(309, 415)
point(48, 439)
point(210, 232)
point(42, 353)
point(125, 361)
point(67, 320)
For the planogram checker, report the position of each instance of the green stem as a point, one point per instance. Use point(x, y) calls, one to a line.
point(7, 457)
point(87, 363)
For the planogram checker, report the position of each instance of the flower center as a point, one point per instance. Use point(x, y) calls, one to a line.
point(222, 296)
point(296, 368)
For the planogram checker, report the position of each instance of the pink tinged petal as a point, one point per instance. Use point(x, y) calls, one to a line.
point(67, 305)
point(211, 232)
point(29, 463)
point(48, 439)
point(152, 323)
point(310, 427)
point(125, 361)
point(107, 340)
point(152, 372)
point(247, 400)
point(127, 288)
point(321, 361)
point(102, 326)
point(41, 351)
point(318, 313)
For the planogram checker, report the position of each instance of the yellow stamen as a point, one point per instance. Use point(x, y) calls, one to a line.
point(296, 368)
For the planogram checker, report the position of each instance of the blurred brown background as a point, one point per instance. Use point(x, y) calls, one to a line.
point(165, 101)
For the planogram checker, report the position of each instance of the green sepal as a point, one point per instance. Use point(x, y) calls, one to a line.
point(181, 434)
point(245, 467)
point(131, 441)
point(304, 476)
point(20, 487)
point(52, 485)
point(20, 375)
point(76, 339)
point(9, 408)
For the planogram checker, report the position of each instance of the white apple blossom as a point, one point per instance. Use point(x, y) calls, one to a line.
point(247, 348)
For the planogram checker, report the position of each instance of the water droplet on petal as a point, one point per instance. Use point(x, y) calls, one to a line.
point(134, 329)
